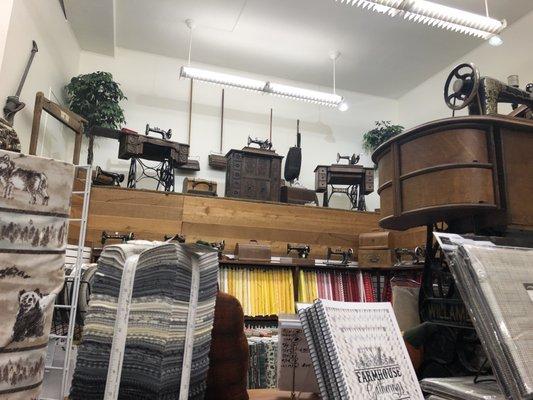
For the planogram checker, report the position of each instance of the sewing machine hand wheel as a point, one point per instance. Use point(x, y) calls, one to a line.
point(465, 87)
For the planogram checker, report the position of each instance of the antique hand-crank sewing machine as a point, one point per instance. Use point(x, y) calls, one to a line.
point(469, 174)
point(357, 181)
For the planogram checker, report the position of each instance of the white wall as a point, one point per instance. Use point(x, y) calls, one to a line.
point(6, 6)
point(426, 102)
point(157, 96)
point(53, 66)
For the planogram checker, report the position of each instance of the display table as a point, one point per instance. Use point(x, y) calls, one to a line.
point(273, 394)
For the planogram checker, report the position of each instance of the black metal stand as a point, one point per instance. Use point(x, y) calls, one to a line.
point(354, 192)
point(162, 173)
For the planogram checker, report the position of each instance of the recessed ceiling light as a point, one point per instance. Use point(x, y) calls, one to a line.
point(496, 40)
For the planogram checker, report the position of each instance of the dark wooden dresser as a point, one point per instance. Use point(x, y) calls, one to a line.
point(253, 174)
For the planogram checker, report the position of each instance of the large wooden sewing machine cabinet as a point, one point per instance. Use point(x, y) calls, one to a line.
point(474, 173)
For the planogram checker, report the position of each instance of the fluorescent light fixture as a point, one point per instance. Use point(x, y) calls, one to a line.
point(313, 96)
point(433, 14)
point(222, 79)
point(328, 99)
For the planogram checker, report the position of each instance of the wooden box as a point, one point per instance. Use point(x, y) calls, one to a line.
point(369, 180)
point(253, 251)
point(298, 195)
point(321, 178)
point(376, 258)
point(253, 174)
point(217, 161)
point(199, 186)
point(376, 240)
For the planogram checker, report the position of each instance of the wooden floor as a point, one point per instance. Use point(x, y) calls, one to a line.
point(152, 215)
point(272, 394)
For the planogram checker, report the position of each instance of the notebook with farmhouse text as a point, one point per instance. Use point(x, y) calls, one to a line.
point(358, 352)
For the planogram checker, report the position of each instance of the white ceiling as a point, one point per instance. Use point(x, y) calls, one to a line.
point(290, 39)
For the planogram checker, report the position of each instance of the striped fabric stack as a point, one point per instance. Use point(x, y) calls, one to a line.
point(350, 286)
point(156, 329)
point(260, 291)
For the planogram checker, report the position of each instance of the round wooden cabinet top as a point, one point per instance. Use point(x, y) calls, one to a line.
point(456, 169)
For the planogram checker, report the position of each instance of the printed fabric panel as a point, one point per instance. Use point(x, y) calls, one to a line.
point(35, 198)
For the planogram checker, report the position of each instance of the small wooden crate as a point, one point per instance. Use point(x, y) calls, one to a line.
point(199, 186)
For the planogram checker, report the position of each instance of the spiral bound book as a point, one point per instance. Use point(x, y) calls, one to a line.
point(358, 352)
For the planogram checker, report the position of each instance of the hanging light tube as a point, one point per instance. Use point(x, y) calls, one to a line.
point(313, 96)
point(433, 14)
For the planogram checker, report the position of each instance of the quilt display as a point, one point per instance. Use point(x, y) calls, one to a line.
point(153, 355)
point(496, 284)
point(463, 388)
point(35, 196)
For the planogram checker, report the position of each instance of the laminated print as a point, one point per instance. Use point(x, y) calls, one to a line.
point(35, 195)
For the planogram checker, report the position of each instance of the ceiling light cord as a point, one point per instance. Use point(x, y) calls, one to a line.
point(190, 46)
point(191, 25)
point(334, 76)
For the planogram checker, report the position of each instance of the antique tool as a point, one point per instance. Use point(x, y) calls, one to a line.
point(352, 160)
point(106, 178)
point(165, 135)
point(174, 238)
point(13, 103)
point(8, 137)
point(303, 250)
point(346, 255)
point(481, 95)
point(263, 144)
point(293, 162)
point(123, 237)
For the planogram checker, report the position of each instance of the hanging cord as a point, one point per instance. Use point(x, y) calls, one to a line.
point(190, 46)
point(190, 24)
point(487, 8)
point(334, 76)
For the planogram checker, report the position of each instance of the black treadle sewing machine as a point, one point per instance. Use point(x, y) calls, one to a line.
point(352, 180)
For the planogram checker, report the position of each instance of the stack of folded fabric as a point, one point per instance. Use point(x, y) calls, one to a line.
point(262, 369)
point(463, 388)
point(155, 341)
point(496, 284)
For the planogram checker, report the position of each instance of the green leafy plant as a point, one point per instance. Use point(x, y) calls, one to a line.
point(383, 131)
point(96, 97)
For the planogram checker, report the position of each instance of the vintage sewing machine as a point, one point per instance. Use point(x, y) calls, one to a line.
point(106, 178)
point(468, 174)
point(165, 135)
point(345, 255)
point(352, 160)
point(303, 250)
point(482, 95)
point(356, 181)
point(122, 237)
point(263, 144)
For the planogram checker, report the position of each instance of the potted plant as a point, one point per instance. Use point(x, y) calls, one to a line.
point(96, 97)
point(383, 131)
